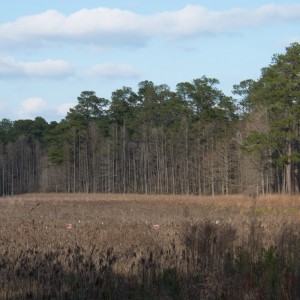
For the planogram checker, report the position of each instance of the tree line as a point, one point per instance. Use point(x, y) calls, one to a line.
point(194, 140)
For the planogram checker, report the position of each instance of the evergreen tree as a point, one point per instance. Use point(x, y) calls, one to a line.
point(278, 92)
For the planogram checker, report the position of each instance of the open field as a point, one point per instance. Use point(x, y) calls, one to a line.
point(229, 247)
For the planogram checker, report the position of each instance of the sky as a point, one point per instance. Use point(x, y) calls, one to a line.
point(52, 50)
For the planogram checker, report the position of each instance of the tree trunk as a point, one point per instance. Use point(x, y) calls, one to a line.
point(288, 170)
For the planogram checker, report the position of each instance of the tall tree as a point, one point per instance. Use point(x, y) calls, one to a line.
point(5, 136)
point(278, 90)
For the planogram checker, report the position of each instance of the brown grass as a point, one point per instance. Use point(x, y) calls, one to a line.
point(113, 245)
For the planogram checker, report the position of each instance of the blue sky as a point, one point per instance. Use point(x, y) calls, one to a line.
point(52, 50)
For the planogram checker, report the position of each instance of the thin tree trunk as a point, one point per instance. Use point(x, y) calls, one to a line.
point(288, 169)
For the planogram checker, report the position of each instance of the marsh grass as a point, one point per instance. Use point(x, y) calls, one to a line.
point(232, 247)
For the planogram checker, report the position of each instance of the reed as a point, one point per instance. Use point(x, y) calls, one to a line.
point(232, 247)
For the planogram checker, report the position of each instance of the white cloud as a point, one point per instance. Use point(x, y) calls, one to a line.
point(104, 26)
point(46, 69)
point(195, 20)
point(37, 106)
point(32, 107)
point(113, 71)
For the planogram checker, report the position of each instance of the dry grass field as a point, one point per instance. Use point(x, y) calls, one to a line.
point(106, 246)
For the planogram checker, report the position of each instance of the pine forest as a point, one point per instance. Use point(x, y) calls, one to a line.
point(190, 140)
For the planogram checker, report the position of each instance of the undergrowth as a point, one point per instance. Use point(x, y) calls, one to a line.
point(209, 262)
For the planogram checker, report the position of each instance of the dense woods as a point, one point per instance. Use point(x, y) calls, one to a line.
point(193, 140)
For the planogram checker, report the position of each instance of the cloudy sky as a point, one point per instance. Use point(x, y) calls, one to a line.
point(52, 50)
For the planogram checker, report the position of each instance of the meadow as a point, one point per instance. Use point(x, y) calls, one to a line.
point(119, 246)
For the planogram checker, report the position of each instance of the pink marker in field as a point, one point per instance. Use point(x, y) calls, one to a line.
point(69, 226)
point(155, 226)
